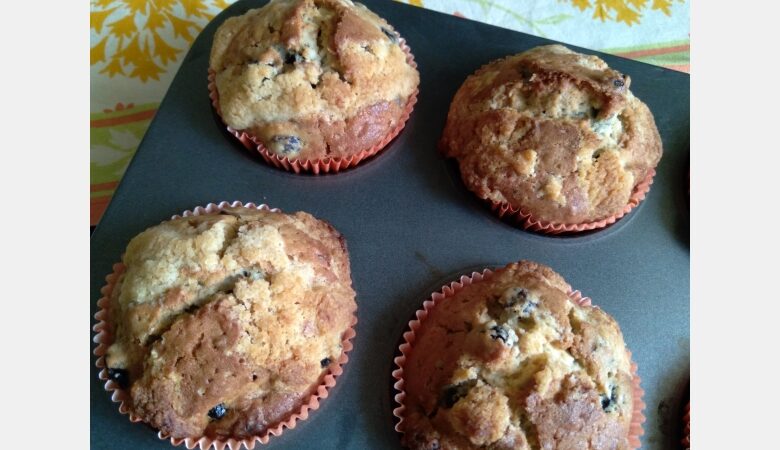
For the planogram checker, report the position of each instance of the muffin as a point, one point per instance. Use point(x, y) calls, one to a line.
point(224, 325)
point(514, 362)
point(313, 79)
point(555, 134)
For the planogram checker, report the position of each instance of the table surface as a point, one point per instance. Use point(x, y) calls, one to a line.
point(411, 226)
point(137, 47)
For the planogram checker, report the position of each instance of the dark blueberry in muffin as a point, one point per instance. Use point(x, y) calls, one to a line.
point(286, 145)
point(606, 401)
point(526, 73)
point(120, 376)
point(424, 442)
point(528, 307)
point(325, 362)
point(218, 411)
point(451, 394)
point(500, 332)
point(292, 58)
point(392, 35)
point(609, 402)
point(513, 296)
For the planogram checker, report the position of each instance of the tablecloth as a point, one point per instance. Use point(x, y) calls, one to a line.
point(136, 47)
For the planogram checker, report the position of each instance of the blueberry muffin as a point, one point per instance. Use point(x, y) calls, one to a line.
point(554, 133)
point(512, 363)
point(224, 324)
point(312, 79)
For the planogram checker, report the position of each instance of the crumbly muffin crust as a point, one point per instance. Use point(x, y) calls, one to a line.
point(224, 324)
point(312, 78)
point(512, 363)
point(553, 132)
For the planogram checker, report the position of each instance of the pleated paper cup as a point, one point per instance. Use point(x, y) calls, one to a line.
point(316, 166)
point(104, 338)
point(447, 291)
point(526, 220)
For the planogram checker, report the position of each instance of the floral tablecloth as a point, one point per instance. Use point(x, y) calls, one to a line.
point(137, 45)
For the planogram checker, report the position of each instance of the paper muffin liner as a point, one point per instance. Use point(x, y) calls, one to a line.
point(324, 165)
point(686, 441)
point(103, 338)
point(637, 417)
point(525, 219)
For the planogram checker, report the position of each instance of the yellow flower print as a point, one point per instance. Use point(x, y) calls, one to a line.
point(98, 53)
point(96, 18)
point(626, 11)
point(139, 38)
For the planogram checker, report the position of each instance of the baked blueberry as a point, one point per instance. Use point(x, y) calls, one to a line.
point(606, 401)
point(393, 36)
point(526, 73)
point(528, 307)
point(120, 376)
point(513, 296)
point(325, 362)
point(609, 402)
point(292, 58)
point(425, 443)
point(218, 411)
point(502, 333)
point(451, 394)
point(286, 145)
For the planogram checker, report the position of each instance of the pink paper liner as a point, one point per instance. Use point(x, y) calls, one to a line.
point(686, 441)
point(103, 339)
point(525, 219)
point(637, 417)
point(315, 166)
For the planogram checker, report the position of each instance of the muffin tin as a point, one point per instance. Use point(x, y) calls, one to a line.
point(411, 226)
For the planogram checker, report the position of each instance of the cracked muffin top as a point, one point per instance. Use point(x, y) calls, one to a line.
point(223, 324)
point(312, 78)
point(555, 133)
point(512, 363)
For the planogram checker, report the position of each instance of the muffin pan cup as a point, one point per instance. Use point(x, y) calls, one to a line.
point(447, 291)
point(316, 166)
point(412, 225)
point(103, 338)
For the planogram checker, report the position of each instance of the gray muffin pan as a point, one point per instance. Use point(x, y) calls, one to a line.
point(411, 226)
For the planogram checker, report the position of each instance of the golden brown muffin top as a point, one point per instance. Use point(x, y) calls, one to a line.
point(554, 132)
point(512, 363)
point(224, 323)
point(312, 78)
